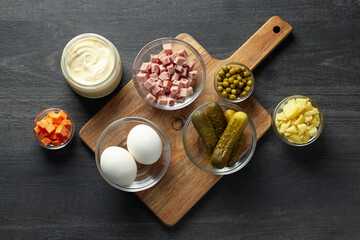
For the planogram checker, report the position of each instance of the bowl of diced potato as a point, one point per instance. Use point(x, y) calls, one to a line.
point(297, 120)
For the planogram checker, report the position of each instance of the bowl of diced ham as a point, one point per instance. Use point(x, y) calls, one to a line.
point(169, 73)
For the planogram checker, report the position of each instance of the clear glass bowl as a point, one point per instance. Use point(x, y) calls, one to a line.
point(196, 152)
point(239, 99)
point(116, 135)
point(41, 116)
point(155, 47)
point(279, 109)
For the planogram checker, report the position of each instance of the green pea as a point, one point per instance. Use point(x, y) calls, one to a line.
point(228, 90)
point(224, 93)
point(229, 67)
point(232, 86)
point(243, 68)
point(227, 75)
point(224, 68)
point(232, 71)
point(225, 84)
point(249, 83)
point(236, 82)
point(219, 83)
point(233, 91)
point(231, 79)
point(241, 84)
point(239, 78)
point(249, 78)
point(243, 94)
point(233, 97)
point(221, 73)
point(220, 88)
point(244, 81)
point(238, 69)
point(247, 88)
point(225, 79)
point(246, 74)
point(219, 79)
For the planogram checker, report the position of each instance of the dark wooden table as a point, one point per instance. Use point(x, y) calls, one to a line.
point(283, 193)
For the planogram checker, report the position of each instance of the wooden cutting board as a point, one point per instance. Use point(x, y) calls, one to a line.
point(184, 184)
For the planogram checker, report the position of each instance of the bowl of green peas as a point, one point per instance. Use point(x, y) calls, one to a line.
point(234, 82)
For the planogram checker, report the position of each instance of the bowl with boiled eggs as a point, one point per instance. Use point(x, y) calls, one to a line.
point(132, 154)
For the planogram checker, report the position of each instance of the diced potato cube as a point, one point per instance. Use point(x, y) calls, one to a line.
point(309, 106)
point(312, 132)
point(294, 138)
point(305, 138)
point(310, 112)
point(302, 127)
point(281, 116)
point(308, 119)
point(315, 121)
point(287, 134)
point(292, 129)
point(291, 110)
point(278, 123)
point(282, 129)
point(301, 103)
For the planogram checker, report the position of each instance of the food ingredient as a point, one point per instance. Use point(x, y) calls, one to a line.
point(53, 129)
point(299, 120)
point(236, 153)
point(228, 114)
point(205, 130)
point(144, 144)
point(234, 82)
point(118, 166)
point(216, 117)
point(229, 140)
point(168, 77)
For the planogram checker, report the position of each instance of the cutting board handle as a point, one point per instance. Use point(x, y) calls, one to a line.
point(262, 43)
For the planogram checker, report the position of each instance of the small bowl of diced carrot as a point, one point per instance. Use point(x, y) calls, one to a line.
point(53, 128)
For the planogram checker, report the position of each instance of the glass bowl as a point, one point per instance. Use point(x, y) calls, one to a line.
point(116, 135)
point(196, 152)
point(41, 116)
point(239, 99)
point(279, 109)
point(155, 47)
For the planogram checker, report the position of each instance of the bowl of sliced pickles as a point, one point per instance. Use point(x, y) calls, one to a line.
point(219, 138)
point(234, 82)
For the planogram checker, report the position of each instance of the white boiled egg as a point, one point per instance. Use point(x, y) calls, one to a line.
point(118, 166)
point(144, 144)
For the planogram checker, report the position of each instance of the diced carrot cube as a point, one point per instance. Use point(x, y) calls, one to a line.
point(66, 122)
point(37, 129)
point(46, 134)
point(41, 135)
point(46, 141)
point(42, 123)
point(63, 114)
point(49, 128)
point(56, 142)
point(62, 131)
point(56, 118)
point(53, 136)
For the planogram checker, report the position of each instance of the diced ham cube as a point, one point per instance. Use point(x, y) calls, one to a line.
point(149, 83)
point(180, 60)
point(170, 101)
point(191, 82)
point(145, 67)
point(184, 82)
point(162, 92)
point(154, 58)
point(184, 92)
point(171, 69)
point(150, 97)
point(180, 100)
point(165, 60)
point(142, 77)
point(175, 76)
point(176, 83)
point(184, 72)
point(174, 89)
point(154, 75)
point(167, 84)
point(156, 88)
point(178, 68)
point(164, 76)
point(155, 68)
point(183, 53)
point(193, 74)
point(173, 56)
point(191, 64)
point(190, 90)
point(162, 100)
point(167, 49)
point(159, 82)
point(162, 68)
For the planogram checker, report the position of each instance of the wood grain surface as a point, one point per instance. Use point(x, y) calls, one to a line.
point(283, 193)
point(184, 184)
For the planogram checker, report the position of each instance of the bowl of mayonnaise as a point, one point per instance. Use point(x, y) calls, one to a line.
point(91, 65)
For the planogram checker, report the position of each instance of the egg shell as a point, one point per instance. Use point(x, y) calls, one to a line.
point(118, 165)
point(144, 144)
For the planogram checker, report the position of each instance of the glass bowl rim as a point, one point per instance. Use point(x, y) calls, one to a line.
point(72, 129)
point(239, 99)
point(282, 138)
point(253, 145)
point(142, 53)
point(124, 120)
